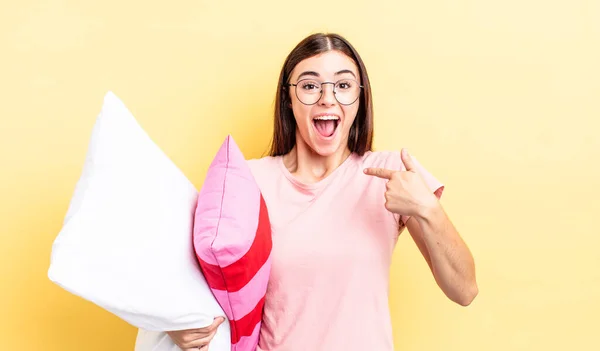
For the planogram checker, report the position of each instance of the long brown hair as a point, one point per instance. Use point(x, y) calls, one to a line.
point(284, 132)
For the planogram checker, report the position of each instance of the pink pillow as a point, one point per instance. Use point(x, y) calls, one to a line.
point(232, 240)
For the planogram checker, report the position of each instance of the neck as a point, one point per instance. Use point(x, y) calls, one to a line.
point(308, 165)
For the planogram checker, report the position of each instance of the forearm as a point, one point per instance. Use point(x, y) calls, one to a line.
point(451, 261)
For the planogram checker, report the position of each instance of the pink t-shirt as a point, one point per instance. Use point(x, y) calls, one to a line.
point(332, 249)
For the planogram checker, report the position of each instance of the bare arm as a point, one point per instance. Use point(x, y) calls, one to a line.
point(446, 253)
point(444, 250)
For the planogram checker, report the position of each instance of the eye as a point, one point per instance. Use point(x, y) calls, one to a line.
point(310, 85)
point(345, 84)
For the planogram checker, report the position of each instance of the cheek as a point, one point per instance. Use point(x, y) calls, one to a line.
point(300, 115)
point(350, 111)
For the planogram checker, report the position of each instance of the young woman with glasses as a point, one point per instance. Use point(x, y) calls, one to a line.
point(337, 209)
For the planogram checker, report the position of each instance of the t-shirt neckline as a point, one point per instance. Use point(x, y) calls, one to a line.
point(320, 183)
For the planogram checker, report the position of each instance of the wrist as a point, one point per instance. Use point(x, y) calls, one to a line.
point(428, 208)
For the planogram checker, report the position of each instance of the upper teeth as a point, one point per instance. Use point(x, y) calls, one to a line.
point(327, 118)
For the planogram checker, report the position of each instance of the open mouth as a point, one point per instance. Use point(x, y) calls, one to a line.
point(326, 125)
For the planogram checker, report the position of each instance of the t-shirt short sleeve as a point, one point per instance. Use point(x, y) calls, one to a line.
point(432, 182)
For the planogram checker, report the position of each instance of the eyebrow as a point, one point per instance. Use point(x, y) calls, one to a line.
point(315, 74)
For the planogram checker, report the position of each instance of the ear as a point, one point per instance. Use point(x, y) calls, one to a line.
point(287, 99)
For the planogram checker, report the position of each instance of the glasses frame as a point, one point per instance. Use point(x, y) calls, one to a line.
point(321, 92)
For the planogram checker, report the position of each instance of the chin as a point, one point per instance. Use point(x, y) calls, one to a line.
point(325, 151)
point(325, 148)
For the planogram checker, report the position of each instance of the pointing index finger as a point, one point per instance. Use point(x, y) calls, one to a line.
point(379, 172)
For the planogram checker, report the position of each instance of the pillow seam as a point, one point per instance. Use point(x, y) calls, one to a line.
point(233, 325)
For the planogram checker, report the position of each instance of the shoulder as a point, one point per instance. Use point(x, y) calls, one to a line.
point(393, 160)
point(262, 162)
point(382, 159)
point(263, 166)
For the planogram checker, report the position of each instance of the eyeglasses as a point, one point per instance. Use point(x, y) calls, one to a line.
point(310, 91)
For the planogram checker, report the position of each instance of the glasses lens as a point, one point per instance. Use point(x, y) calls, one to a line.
point(347, 91)
point(308, 91)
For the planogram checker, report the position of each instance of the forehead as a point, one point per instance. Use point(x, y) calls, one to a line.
point(326, 64)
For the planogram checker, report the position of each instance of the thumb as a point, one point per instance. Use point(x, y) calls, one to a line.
point(216, 322)
point(408, 161)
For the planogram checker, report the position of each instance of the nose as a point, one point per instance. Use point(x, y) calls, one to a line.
point(328, 94)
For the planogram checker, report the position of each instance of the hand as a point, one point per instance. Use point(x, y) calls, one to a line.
point(407, 194)
point(195, 339)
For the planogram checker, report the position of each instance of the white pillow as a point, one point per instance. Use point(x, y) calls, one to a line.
point(157, 341)
point(126, 243)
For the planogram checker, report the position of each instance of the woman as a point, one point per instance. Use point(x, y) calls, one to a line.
point(337, 209)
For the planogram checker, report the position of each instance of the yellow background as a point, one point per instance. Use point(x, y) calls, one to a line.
point(499, 99)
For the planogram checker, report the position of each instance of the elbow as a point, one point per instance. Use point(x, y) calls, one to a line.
point(468, 295)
